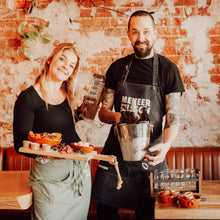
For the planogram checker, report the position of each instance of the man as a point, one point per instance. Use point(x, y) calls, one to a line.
point(154, 82)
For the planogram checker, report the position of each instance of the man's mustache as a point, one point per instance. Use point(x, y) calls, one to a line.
point(141, 42)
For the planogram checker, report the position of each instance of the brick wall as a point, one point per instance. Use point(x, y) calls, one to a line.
point(189, 34)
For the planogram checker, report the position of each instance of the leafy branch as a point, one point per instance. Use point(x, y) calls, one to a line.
point(40, 33)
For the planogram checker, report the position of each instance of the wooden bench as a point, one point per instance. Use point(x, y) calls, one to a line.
point(207, 159)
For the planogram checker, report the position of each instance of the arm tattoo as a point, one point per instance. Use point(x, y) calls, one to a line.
point(108, 97)
point(172, 108)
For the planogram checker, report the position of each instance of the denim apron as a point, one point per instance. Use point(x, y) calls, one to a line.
point(61, 189)
point(135, 191)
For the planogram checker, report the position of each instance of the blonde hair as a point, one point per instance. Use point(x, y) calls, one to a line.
point(70, 85)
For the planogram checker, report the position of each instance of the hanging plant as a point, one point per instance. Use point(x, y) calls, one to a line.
point(28, 39)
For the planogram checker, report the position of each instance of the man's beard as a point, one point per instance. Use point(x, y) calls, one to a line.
point(142, 52)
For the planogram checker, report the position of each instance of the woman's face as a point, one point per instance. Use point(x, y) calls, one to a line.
point(63, 65)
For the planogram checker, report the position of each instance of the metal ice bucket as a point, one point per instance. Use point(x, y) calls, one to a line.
point(134, 140)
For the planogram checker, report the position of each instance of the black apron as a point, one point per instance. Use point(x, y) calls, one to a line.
point(134, 193)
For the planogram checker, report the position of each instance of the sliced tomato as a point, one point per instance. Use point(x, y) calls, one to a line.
point(83, 148)
point(52, 139)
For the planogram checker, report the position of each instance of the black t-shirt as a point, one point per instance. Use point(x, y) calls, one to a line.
point(141, 72)
point(31, 114)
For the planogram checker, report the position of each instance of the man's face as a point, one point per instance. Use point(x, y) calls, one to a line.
point(142, 35)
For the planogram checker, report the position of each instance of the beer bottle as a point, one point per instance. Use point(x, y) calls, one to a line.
point(124, 117)
point(132, 114)
point(144, 115)
point(131, 119)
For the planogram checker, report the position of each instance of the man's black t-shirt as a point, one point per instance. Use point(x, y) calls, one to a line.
point(141, 72)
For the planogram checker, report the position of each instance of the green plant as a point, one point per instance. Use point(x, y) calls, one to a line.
point(40, 34)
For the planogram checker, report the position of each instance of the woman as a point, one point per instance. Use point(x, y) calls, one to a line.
point(61, 188)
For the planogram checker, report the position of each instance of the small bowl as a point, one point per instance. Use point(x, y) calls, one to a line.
point(26, 144)
point(190, 203)
point(46, 147)
point(35, 146)
point(86, 149)
point(167, 198)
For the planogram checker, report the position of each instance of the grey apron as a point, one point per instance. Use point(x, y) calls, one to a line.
point(61, 189)
point(134, 193)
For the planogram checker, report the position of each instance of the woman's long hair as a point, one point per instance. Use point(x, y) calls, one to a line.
point(70, 85)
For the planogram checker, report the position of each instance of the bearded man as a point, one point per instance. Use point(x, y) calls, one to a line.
point(151, 81)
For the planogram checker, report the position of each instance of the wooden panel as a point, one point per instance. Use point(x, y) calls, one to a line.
point(179, 158)
point(15, 161)
point(207, 164)
point(216, 163)
point(1, 158)
point(170, 157)
point(188, 157)
point(198, 159)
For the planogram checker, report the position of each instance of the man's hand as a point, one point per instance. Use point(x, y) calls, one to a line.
point(162, 150)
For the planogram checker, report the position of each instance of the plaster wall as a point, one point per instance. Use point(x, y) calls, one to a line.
point(188, 34)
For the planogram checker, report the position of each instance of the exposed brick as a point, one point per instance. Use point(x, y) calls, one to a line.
point(164, 31)
point(116, 31)
point(89, 3)
point(14, 43)
point(184, 2)
point(175, 31)
point(216, 59)
point(126, 51)
point(9, 33)
point(85, 13)
point(12, 23)
point(118, 22)
point(125, 42)
point(215, 49)
point(215, 78)
point(164, 22)
point(102, 22)
point(177, 21)
point(203, 11)
point(109, 3)
point(170, 40)
point(3, 44)
point(188, 60)
point(9, 15)
point(216, 70)
point(175, 59)
point(110, 52)
point(214, 31)
point(169, 50)
point(190, 11)
point(215, 40)
point(99, 60)
point(134, 4)
point(178, 12)
point(101, 12)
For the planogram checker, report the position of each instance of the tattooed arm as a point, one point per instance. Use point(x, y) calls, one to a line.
point(106, 114)
point(170, 130)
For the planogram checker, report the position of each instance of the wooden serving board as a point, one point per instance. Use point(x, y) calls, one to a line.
point(52, 153)
point(77, 156)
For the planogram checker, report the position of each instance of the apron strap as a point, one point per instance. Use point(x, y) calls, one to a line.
point(155, 73)
point(125, 72)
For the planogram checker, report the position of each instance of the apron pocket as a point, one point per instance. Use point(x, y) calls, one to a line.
point(40, 191)
point(134, 193)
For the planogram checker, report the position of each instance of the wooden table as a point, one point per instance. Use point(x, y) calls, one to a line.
point(209, 209)
point(14, 190)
